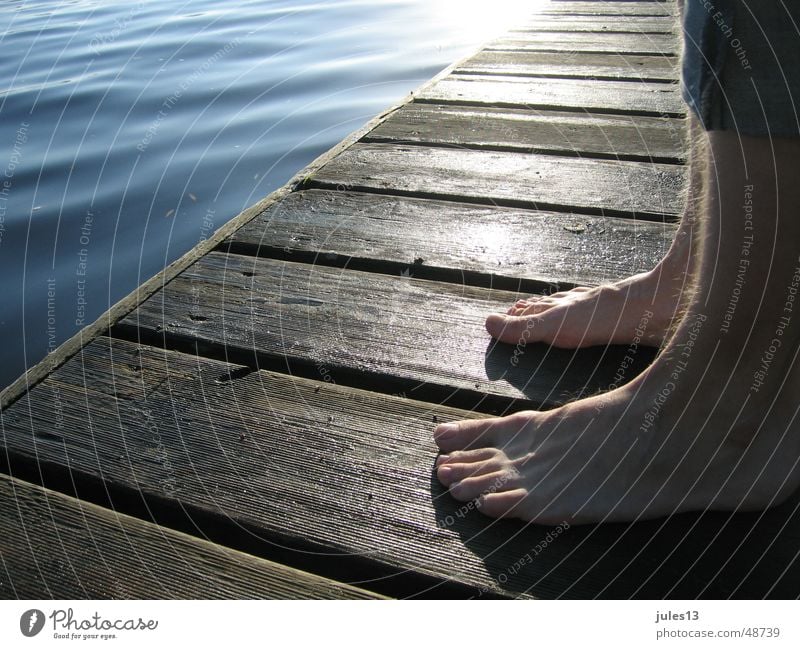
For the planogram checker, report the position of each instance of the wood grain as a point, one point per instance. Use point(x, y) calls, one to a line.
point(387, 333)
point(531, 181)
point(345, 478)
point(604, 24)
point(530, 130)
point(495, 247)
point(341, 476)
point(608, 8)
point(579, 65)
point(616, 97)
point(56, 547)
point(566, 42)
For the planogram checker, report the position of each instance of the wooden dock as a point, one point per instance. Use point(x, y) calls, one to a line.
point(256, 420)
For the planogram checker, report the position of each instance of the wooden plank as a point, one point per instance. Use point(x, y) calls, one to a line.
point(310, 472)
point(609, 24)
point(496, 247)
point(631, 44)
point(657, 99)
point(527, 180)
point(624, 137)
point(608, 8)
point(579, 65)
point(347, 478)
point(365, 329)
point(56, 547)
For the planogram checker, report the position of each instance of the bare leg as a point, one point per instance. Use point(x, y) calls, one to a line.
point(711, 423)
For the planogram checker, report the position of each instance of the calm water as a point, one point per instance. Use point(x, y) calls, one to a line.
point(129, 132)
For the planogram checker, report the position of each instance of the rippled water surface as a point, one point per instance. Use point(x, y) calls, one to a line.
point(130, 131)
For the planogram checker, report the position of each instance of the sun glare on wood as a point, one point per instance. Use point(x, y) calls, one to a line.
point(482, 19)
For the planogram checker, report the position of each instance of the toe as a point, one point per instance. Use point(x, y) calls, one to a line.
point(514, 330)
point(520, 305)
point(505, 328)
point(485, 484)
point(455, 472)
point(465, 457)
point(503, 504)
point(460, 435)
point(476, 433)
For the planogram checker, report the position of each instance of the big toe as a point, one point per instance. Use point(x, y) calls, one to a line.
point(512, 329)
point(470, 434)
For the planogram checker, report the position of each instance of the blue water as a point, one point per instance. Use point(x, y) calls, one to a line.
point(130, 131)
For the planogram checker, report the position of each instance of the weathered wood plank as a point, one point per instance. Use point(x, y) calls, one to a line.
point(294, 462)
point(348, 475)
point(609, 24)
point(395, 334)
point(625, 137)
point(658, 99)
point(608, 8)
point(495, 247)
point(531, 181)
point(579, 65)
point(56, 547)
point(633, 44)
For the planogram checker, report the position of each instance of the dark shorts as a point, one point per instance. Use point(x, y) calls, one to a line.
point(741, 65)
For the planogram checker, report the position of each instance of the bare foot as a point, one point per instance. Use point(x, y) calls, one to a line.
point(712, 423)
point(640, 308)
point(683, 436)
point(643, 308)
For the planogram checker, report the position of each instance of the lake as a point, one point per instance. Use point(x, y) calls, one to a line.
point(129, 132)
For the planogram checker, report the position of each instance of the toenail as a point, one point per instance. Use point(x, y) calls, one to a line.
point(443, 430)
point(442, 459)
point(445, 472)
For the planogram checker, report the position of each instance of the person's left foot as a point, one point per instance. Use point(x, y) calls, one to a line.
point(640, 308)
point(637, 308)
